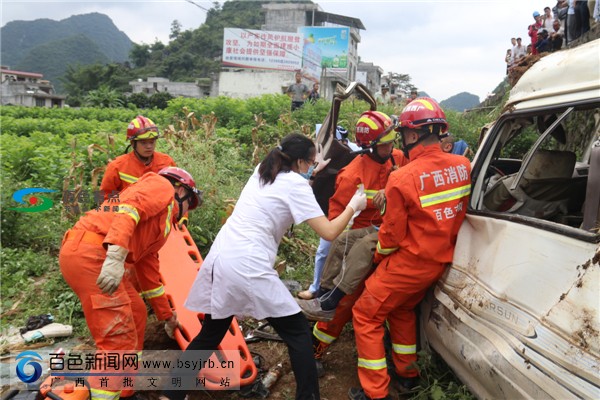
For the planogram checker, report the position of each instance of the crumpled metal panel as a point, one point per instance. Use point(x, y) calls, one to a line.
point(517, 315)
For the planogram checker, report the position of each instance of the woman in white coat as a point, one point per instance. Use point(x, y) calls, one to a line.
point(237, 277)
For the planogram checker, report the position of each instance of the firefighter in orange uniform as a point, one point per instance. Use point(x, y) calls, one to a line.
point(426, 202)
point(126, 169)
point(93, 255)
point(375, 134)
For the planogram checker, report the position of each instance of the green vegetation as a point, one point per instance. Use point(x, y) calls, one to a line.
point(219, 140)
point(460, 102)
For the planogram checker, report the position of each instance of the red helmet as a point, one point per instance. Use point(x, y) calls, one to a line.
point(374, 127)
point(142, 128)
point(422, 112)
point(180, 177)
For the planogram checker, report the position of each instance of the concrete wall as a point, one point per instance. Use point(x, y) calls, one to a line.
point(26, 94)
point(251, 83)
point(286, 17)
point(176, 89)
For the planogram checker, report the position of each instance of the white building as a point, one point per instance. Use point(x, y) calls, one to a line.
point(27, 89)
point(154, 85)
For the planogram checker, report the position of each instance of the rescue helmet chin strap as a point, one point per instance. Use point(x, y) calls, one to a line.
point(376, 157)
point(180, 201)
point(424, 133)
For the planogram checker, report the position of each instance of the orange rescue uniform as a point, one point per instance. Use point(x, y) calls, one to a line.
point(140, 221)
point(121, 173)
point(125, 170)
point(426, 205)
point(374, 176)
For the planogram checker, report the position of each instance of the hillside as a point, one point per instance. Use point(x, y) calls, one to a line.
point(52, 58)
point(21, 42)
point(460, 102)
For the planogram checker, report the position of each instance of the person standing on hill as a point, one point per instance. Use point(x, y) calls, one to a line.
point(533, 31)
point(314, 95)
point(413, 95)
point(383, 97)
point(547, 19)
point(298, 92)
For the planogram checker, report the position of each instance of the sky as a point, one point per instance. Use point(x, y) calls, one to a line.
point(446, 46)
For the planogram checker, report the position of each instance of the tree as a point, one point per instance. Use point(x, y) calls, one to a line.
point(139, 99)
point(104, 97)
point(400, 83)
point(139, 54)
point(175, 30)
point(79, 80)
point(160, 100)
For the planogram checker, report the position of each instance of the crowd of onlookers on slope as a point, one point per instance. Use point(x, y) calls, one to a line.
point(557, 26)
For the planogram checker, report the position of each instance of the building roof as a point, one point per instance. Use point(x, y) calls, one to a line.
point(21, 73)
point(321, 16)
point(43, 95)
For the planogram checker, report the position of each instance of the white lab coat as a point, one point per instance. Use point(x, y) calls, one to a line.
point(237, 277)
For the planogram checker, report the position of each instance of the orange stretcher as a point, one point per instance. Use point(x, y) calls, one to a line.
point(180, 262)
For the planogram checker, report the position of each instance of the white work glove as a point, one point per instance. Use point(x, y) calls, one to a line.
point(358, 202)
point(321, 163)
point(171, 324)
point(112, 270)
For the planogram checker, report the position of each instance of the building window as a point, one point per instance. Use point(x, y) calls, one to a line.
point(40, 102)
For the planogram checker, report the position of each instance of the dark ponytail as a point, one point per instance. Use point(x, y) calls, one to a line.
point(293, 147)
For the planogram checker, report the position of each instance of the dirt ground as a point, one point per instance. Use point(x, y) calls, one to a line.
point(339, 362)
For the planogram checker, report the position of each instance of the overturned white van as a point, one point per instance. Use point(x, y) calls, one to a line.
point(517, 315)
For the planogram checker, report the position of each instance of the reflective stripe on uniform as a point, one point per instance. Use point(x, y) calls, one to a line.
point(150, 294)
point(385, 251)
point(98, 394)
point(129, 210)
point(168, 222)
point(128, 178)
point(446, 195)
point(322, 336)
point(372, 364)
point(371, 193)
point(404, 349)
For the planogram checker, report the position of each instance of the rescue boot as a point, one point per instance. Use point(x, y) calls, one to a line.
point(359, 394)
point(406, 385)
point(318, 351)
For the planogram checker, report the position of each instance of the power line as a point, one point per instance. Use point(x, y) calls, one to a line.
point(198, 5)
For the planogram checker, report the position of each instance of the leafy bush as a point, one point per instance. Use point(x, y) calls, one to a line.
point(34, 279)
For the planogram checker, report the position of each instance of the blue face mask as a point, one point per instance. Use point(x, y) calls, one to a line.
point(308, 174)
